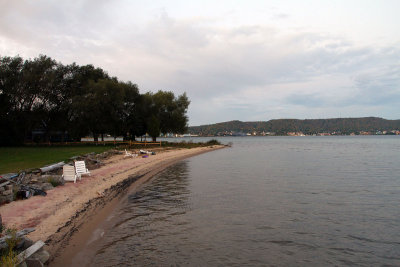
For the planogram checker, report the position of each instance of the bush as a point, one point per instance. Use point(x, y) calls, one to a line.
point(213, 142)
point(9, 256)
point(54, 182)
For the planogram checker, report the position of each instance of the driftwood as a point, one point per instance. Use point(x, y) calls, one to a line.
point(3, 243)
point(52, 167)
point(5, 183)
point(29, 251)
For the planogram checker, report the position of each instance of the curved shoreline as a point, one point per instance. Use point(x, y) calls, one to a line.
point(67, 217)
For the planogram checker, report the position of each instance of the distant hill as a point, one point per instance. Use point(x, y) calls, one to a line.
point(284, 126)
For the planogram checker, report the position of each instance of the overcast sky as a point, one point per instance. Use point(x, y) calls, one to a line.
point(245, 60)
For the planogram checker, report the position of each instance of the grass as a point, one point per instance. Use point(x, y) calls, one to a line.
point(9, 256)
point(14, 159)
point(190, 144)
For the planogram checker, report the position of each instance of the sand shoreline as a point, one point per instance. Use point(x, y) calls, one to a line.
point(69, 208)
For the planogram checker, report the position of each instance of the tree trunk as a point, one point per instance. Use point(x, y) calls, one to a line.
point(154, 138)
point(102, 137)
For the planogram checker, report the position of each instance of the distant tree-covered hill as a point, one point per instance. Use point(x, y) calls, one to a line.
point(283, 126)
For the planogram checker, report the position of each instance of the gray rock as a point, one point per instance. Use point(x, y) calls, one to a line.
point(54, 178)
point(7, 192)
point(23, 264)
point(27, 242)
point(33, 262)
point(20, 243)
point(46, 186)
point(42, 255)
point(6, 199)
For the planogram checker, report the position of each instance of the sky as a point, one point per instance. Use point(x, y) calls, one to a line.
point(236, 60)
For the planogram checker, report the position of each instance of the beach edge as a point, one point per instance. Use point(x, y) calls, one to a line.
point(68, 240)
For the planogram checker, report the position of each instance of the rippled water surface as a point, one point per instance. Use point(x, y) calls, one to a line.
point(286, 201)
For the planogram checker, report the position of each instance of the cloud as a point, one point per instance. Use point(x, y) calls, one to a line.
point(247, 72)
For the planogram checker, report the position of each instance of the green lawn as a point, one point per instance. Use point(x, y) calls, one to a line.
point(14, 159)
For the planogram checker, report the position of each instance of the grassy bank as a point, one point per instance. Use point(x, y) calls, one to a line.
point(190, 144)
point(14, 159)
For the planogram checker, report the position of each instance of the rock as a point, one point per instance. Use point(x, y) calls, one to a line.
point(20, 243)
point(33, 262)
point(52, 179)
point(42, 255)
point(23, 264)
point(9, 187)
point(6, 199)
point(2, 189)
point(7, 192)
point(46, 186)
point(27, 242)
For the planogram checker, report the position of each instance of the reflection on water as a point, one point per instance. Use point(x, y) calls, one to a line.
point(266, 201)
point(148, 225)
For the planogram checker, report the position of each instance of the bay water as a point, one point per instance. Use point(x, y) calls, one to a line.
point(265, 201)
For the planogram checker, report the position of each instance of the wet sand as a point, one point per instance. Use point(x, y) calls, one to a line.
point(67, 216)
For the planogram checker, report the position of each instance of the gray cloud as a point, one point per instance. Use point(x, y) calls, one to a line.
point(250, 72)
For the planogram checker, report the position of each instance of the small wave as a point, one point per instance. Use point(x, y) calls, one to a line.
point(347, 251)
point(292, 243)
point(265, 227)
point(282, 242)
point(374, 241)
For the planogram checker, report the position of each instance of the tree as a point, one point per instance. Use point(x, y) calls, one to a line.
point(129, 113)
point(166, 112)
point(56, 99)
point(26, 86)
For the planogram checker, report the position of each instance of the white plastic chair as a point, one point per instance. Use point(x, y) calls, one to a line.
point(80, 168)
point(69, 173)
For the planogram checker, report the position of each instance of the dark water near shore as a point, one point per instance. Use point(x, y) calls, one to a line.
point(286, 201)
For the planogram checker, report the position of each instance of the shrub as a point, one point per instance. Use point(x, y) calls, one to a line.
point(54, 182)
point(9, 256)
point(213, 142)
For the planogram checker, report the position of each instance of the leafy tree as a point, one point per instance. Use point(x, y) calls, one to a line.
point(167, 112)
point(72, 100)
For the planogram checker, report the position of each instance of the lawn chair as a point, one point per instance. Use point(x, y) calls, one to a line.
point(69, 173)
point(80, 168)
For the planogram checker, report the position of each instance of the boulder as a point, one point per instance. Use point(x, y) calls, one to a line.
point(7, 192)
point(27, 242)
point(33, 262)
point(57, 179)
point(42, 255)
point(6, 199)
point(46, 186)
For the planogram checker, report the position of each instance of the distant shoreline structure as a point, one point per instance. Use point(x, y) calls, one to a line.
point(296, 127)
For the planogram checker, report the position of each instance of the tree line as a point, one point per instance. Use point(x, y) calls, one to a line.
point(42, 99)
point(343, 126)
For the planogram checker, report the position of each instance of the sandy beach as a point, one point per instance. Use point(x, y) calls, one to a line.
point(68, 208)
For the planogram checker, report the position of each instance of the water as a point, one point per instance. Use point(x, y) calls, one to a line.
point(285, 201)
